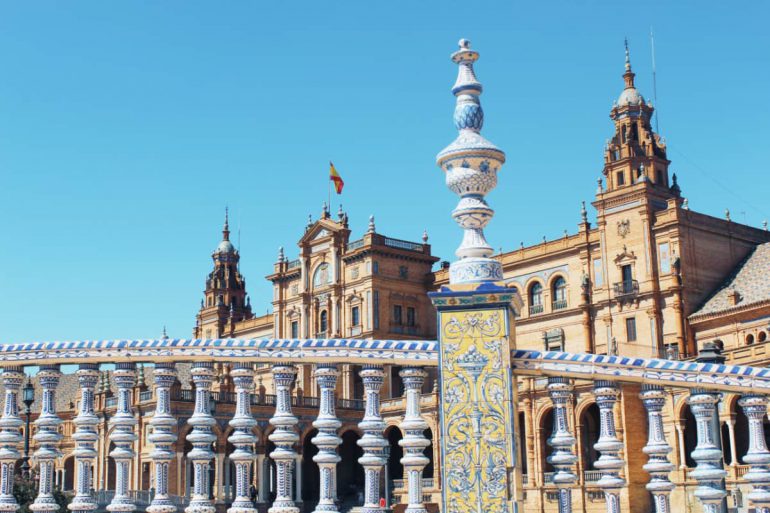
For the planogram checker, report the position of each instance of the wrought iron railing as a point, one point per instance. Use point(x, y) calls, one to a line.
point(535, 309)
point(145, 395)
point(112, 401)
point(355, 244)
point(626, 288)
point(559, 304)
point(293, 264)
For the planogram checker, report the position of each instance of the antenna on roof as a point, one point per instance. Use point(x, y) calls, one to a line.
point(654, 81)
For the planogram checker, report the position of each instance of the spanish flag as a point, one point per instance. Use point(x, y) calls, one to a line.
point(335, 177)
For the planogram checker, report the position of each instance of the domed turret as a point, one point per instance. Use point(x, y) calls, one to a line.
point(225, 247)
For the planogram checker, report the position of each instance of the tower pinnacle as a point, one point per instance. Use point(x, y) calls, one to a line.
point(471, 163)
point(629, 75)
point(226, 228)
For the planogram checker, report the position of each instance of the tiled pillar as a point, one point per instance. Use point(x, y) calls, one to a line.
point(243, 438)
point(610, 463)
point(10, 436)
point(562, 441)
point(201, 437)
point(123, 424)
point(758, 457)
point(284, 437)
point(47, 438)
point(657, 448)
point(85, 439)
point(327, 439)
point(162, 437)
point(707, 454)
point(414, 441)
point(373, 442)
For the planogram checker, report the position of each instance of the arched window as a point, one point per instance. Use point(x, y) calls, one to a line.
point(324, 321)
point(559, 293)
point(761, 336)
point(322, 276)
point(536, 298)
point(749, 339)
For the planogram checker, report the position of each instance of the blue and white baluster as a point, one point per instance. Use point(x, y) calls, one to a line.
point(709, 472)
point(243, 438)
point(327, 439)
point(201, 437)
point(757, 457)
point(414, 441)
point(85, 439)
point(609, 462)
point(284, 437)
point(47, 438)
point(373, 442)
point(162, 437)
point(122, 435)
point(657, 448)
point(10, 436)
point(562, 458)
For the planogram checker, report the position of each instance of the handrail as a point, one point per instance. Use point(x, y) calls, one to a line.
point(402, 244)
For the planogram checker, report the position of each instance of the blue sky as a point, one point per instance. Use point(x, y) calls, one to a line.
point(126, 127)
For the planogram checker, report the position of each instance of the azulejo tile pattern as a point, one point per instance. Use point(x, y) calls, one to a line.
point(476, 418)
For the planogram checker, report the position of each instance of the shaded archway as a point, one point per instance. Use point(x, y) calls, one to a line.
point(690, 436)
point(546, 430)
point(350, 473)
point(272, 482)
point(394, 470)
point(69, 474)
point(428, 452)
point(589, 435)
point(311, 475)
point(111, 468)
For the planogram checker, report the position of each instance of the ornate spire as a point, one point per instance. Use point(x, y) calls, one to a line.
point(371, 228)
point(226, 228)
point(628, 76)
point(281, 256)
point(583, 213)
point(471, 164)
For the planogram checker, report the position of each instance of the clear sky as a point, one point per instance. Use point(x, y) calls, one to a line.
point(126, 127)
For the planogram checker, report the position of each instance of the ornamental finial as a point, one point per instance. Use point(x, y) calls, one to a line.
point(583, 212)
point(226, 227)
point(471, 163)
point(281, 256)
point(425, 236)
point(371, 228)
point(628, 56)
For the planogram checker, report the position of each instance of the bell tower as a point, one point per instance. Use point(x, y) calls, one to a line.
point(225, 301)
point(635, 158)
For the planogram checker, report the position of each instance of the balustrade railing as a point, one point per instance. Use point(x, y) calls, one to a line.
point(626, 288)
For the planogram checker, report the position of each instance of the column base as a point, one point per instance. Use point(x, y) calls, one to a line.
point(11, 505)
point(200, 507)
point(283, 508)
point(44, 504)
point(162, 507)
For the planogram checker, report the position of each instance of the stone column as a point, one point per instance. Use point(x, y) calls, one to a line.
point(731, 438)
point(562, 441)
point(327, 440)
point(758, 457)
point(414, 441)
point(243, 438)
point(123, 424)
point(707, 454)
point(47, 438)
point(10, 437)
point(658, 466)
point(201, 437)
point(162, 437)
point(85, 439)
point(610, 463)
point(373, 443)
point(263, 475)
point(284, 437)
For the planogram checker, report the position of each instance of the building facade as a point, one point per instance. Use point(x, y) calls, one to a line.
point(652, 278)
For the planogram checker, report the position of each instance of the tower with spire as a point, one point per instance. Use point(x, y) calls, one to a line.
point(225, 301)
point(635, 157)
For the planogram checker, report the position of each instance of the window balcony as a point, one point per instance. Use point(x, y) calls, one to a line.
point(355, 330)
point(626, 288)
point(559, 304)
point(535, 309)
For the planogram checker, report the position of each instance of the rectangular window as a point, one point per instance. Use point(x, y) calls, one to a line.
point(294, 329)
point(665, 258)
point(598, 274)
point(621, 178)
point(376, 310)
point(403, 272)
point(410, 316)
point(375, 267)
point(397, 318)
point(631, 329)
point(355, 316)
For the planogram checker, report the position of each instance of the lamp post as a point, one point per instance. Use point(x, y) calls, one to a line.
point(28, 398)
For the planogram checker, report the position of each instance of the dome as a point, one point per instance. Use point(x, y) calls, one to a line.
point(225, 247)
point(630, 96)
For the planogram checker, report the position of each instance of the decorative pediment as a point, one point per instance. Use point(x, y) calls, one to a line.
point(625, 256)
point(320, 230)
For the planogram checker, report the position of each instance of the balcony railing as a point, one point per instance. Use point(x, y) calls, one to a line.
point(293, 264)
point(559, 304)
point(355, 330)
point(626, 288)
point(112, 401)
point(188, 396)
point(591, 476)
point(400, 484)
point(535, 309)
point(403, 244)
point(355, 244)
point(145, 395)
